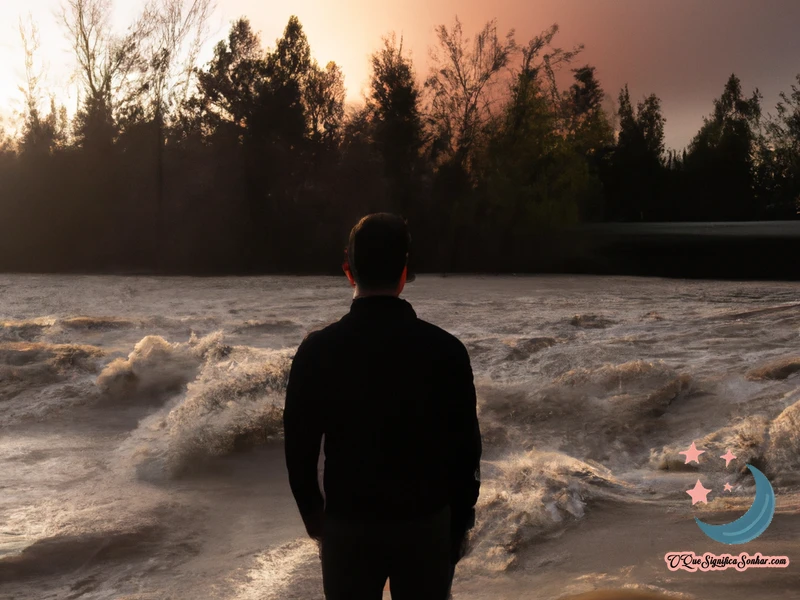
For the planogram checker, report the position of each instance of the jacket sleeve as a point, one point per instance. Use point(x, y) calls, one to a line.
point(465, 442)
point(303, 429)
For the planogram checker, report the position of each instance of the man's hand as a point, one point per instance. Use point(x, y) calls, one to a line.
point(459, 548)
point(461, 521)
point(314, 525)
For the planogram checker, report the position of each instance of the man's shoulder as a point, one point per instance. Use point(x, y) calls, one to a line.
point(433, 336)
point(441, 336)
point(320, 333)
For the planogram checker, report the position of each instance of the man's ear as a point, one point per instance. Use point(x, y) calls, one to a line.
point(350, 278)
point(402, 283)
point(410, 276)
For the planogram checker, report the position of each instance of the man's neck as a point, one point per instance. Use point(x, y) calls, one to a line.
point(369, 294)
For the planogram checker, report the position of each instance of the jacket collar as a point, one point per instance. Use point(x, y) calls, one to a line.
point(382, 306)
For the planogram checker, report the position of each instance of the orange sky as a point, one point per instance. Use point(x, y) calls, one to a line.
point(683, 50)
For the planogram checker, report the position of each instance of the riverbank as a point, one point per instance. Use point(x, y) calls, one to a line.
point(763, 251)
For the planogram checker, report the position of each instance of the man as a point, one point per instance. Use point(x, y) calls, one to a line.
point(395, 400)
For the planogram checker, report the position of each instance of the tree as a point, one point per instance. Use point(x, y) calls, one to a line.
point(780, 157)
point(281, 113)
point(361, 181)
point(458, 83)
point(6, 143)
point(586, 122)
point(394, 108)
point(586, 126)
point(720, 161)
point(651, 123)
point(107, 69)
point(292, 55)
point(171, 34)
point(540, 62)
point(324, 95)
point(41, 134)
point(533, 177)
point(229, 88)
point(635, 183)
point(461, 76)
point(629, 132)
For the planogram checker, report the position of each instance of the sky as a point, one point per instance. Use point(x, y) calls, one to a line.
point(682, 50)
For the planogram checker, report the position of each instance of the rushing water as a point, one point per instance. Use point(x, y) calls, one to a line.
point(140, 431)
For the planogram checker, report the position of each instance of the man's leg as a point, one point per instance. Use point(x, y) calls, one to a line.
point(354, 565)
point(420, 566)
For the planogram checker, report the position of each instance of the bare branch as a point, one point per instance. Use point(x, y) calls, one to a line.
point(29, 35)
point(459, 81)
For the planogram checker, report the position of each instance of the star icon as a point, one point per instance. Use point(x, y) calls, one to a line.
point(728, 487)
point(692, 454)
point(698, 493)
point(728, 456)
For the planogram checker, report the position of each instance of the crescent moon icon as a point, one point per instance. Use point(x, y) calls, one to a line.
point(752, 523)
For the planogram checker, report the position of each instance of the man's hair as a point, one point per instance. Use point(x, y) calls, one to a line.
point(377, 250)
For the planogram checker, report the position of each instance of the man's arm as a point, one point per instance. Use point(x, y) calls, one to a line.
point(302, 428)
point(465, 448)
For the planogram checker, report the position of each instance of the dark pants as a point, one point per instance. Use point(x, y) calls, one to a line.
point(414, 554)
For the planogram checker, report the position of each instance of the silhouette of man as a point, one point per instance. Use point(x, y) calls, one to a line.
point(394, 398)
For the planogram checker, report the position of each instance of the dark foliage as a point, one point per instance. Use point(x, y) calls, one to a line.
point(259, 168)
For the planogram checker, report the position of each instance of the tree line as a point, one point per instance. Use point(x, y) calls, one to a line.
point(253, 162)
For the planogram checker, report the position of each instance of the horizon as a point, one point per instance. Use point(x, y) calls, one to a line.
point(640, 52)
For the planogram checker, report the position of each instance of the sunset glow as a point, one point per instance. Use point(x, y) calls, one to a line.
point(682, 50)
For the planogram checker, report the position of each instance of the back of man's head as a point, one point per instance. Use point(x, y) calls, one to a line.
point(378, 250)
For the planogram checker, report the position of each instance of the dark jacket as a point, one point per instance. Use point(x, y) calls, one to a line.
point(395, 399)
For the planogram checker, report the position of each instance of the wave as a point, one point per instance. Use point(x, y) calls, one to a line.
point(268, 327)
point(27, 330)
point(289, 571)
point(530, 495)
point(157, 368)
point(631, 591)
point(783, 454)
point(62, 554)
point(524, 348)
point(652, 316)
point(30, 366)
point(186, 324)
point(59, 356)
point(603, 413)
point(772, 445)
point(590, 322)
point(758, 311)
point(97, 323)
point(747, 438)
point(234, 403)
point(781, 368)
point(636, 386)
